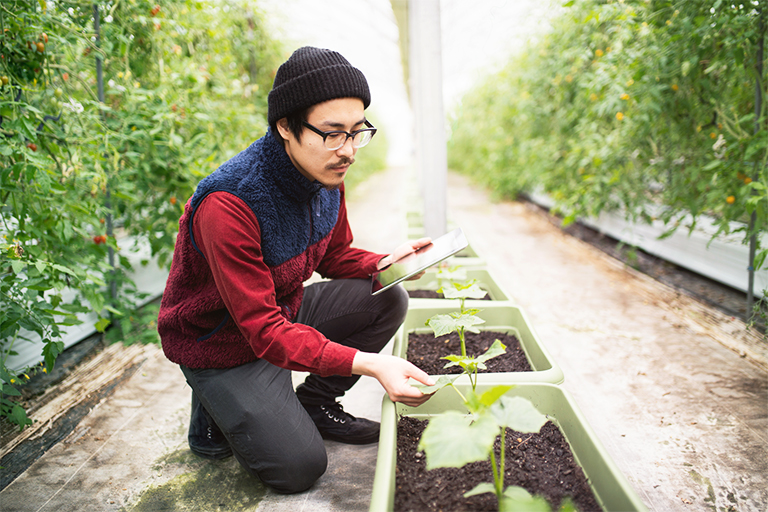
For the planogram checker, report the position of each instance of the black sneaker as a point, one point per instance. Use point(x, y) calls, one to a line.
point(204, 437)
point(335, 424)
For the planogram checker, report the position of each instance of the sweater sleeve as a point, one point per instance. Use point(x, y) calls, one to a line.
point(341, 260)
point(228, 235)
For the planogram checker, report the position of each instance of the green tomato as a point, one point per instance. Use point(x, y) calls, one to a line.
point(58, 92)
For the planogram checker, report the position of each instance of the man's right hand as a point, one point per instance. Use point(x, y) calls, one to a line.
point(393, 373)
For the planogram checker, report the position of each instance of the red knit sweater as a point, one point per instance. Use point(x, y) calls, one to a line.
point(220, 308)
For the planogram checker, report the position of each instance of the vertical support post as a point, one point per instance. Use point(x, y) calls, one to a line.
point(108, 199)
point(758, 122)
point(426, 77)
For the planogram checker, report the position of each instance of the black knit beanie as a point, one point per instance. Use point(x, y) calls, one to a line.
point(311, 76)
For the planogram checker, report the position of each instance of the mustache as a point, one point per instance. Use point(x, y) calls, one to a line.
point(343, 161)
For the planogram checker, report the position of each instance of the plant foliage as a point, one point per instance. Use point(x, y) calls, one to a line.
point(647, 107)
point(185, 85)
point(453, 439)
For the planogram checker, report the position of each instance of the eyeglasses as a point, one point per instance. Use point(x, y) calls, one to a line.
point(335, 139)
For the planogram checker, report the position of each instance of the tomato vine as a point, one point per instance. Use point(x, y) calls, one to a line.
point(185, 85)
point(644, 107)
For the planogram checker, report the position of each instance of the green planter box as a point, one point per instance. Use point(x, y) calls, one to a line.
point(609, 485)
point(467, 258)
point(484, 278)
point(499, 316)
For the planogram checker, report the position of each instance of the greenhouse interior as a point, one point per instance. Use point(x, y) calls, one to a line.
point(552, 214)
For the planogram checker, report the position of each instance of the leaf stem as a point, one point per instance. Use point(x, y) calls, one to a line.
point(500, 483)
point(463, 398)
point(495, 470)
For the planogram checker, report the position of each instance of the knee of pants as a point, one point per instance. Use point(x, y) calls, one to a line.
point(296, 474)
point(395, 304)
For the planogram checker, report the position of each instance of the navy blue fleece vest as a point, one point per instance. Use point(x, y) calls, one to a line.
point(293, 212)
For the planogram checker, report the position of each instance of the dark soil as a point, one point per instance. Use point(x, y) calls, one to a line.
point(425, 351)
point(542, 463)
point(432, 294)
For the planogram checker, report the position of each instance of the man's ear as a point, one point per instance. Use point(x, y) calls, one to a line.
point(282, 128)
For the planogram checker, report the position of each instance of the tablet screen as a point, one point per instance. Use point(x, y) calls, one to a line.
point(408, 266)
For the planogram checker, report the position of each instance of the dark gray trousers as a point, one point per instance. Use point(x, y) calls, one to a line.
point(254, 405)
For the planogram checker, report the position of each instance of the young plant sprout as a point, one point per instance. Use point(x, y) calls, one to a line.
point(463, 321)
point(447, 274)
point(453, 439)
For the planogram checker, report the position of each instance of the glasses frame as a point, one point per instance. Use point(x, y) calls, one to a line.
point(349, 135)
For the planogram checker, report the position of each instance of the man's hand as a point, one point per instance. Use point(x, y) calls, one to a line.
point(393, 374)
point(402, 251)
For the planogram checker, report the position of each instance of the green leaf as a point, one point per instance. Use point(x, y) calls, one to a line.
point(40, 265)
point(102, 324)
point(482, 488)
point(516, 498)
point(51, 351)
point(27, 128)
point(471, 364)
point(17, 266)
point(458, 291)
point(518, 414)
point(468, 363)
point(444, 324)
point(62, 268)
point(450, 441)
point(9, 390)
point(4, 375)
point(492, 395)
point(452, 274)
point(442, 381)
point(112, 310)
point(667, 233)
point(473, 403)
point(494, 350)
point(759, 260)
point(19, 416)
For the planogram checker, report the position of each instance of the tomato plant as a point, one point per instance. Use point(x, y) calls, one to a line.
point(644, 107)
point(77, 175)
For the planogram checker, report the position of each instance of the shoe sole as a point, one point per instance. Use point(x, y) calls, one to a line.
point(346, 440)
point(212, 454)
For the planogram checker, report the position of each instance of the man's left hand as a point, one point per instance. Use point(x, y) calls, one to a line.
point(402, 251)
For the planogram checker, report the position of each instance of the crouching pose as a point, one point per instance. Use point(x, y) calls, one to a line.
point(235, 314)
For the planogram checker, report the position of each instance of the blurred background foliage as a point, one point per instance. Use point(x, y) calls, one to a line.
point(646, 107)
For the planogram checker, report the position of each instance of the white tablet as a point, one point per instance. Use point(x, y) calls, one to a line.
point(416, 262)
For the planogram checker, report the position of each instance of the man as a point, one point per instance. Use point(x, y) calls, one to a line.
point(235, 315)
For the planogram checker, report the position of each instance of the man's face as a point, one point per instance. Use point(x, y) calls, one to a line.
point(310, 156)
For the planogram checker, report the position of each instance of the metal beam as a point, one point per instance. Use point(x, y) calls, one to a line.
point(426, 86)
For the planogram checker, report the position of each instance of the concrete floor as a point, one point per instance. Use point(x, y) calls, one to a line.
point(684, 417)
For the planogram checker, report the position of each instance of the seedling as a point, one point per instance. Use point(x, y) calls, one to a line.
point(453, 439)
point(447, 275)
point(463, 321)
